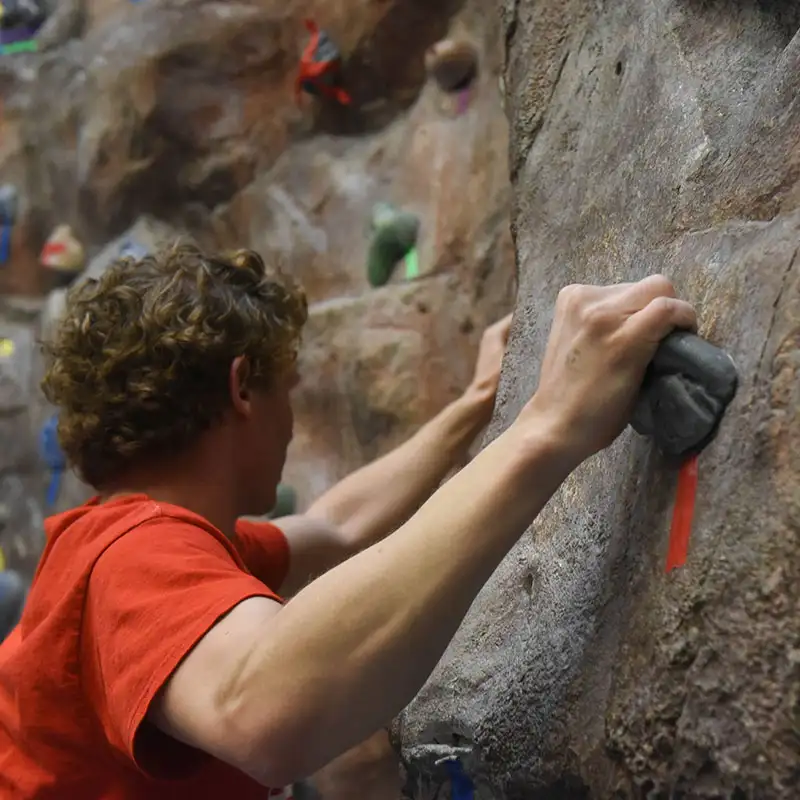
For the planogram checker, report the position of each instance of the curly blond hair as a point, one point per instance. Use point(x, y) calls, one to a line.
point(139, 363)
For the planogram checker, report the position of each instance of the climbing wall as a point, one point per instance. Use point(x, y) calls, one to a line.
point(138, 122)
point(22, 474)
point(647, 136)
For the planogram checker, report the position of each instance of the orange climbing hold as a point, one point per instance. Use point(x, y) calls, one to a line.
point(682, 515)
point(320, 71)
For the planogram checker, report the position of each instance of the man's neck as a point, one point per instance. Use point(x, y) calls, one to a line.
point(194, 482)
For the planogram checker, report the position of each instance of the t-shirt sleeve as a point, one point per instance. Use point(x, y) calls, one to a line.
point(265, 550)
point(152, 596)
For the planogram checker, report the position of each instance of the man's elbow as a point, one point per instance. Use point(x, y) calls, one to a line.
point(273, 752)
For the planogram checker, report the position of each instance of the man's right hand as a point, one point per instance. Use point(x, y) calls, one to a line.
point(601, 341)
point(279, 691)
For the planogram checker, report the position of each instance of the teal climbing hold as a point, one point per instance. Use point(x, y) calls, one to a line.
point(285, 501)
point(394, 235)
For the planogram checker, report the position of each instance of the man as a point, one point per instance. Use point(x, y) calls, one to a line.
point(155, 657)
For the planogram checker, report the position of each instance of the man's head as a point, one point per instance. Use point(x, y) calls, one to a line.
point(180, 348)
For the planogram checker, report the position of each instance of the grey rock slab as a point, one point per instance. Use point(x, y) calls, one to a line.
point(647, 137)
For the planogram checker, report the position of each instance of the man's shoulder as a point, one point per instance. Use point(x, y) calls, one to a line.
point(130, 510)
point(90, 530)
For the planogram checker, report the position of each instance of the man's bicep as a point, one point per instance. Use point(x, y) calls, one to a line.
point(197, 704)
point(315, 546)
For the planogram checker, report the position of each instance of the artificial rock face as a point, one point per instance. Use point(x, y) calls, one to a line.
point(647, 137)
point(139, 122)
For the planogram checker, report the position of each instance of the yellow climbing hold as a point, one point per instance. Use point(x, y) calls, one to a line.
point(6, 348)
point(2, 560)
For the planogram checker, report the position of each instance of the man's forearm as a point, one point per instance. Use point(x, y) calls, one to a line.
point(378, 498)
point(352, 648)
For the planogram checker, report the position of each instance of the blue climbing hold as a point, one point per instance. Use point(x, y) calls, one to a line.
point(461, 787)
point(5, 243)
point(53, 457)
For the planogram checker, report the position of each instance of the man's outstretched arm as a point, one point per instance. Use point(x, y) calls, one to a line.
point(375, 500)
point(279, 691)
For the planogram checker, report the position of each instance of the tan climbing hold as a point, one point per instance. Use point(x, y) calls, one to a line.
point(62, 252)
point(452, 63)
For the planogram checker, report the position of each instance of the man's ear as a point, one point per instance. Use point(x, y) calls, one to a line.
point(239, 381)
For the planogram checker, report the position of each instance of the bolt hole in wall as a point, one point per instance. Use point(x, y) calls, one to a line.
point(527, 583)
point(618, 68)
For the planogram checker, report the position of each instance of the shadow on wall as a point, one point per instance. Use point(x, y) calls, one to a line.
point(785, 13)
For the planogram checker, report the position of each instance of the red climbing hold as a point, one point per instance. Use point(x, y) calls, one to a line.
point(320, 71)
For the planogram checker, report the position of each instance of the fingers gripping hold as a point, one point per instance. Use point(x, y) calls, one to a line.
point(660, 317)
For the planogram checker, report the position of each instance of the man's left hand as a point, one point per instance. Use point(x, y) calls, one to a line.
point(490, 359)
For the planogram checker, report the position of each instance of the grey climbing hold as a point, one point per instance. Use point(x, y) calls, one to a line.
point(13, 592)
point(685, 393)
point(394, 234)
point(8, 204)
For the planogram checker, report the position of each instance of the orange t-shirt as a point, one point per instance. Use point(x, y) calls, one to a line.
point(122, 593)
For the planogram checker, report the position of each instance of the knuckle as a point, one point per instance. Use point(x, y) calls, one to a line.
point(662, 284)
point(570, 294)
point(595, 317)
point(564, 295)
point(663, 307)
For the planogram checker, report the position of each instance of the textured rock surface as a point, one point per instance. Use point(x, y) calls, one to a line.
point(179, 116)
point(22, 477)
point(655, 136)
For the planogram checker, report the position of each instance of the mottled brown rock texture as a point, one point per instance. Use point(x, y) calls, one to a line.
point(647, 136)
point(145, 121)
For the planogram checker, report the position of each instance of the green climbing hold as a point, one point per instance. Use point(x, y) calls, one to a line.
point(412, 265)
point(285, 501)
point(394, 234)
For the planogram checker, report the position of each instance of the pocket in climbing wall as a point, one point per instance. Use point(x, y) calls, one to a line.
point(453, 66)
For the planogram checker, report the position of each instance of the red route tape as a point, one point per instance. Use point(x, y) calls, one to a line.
point(682, 515)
